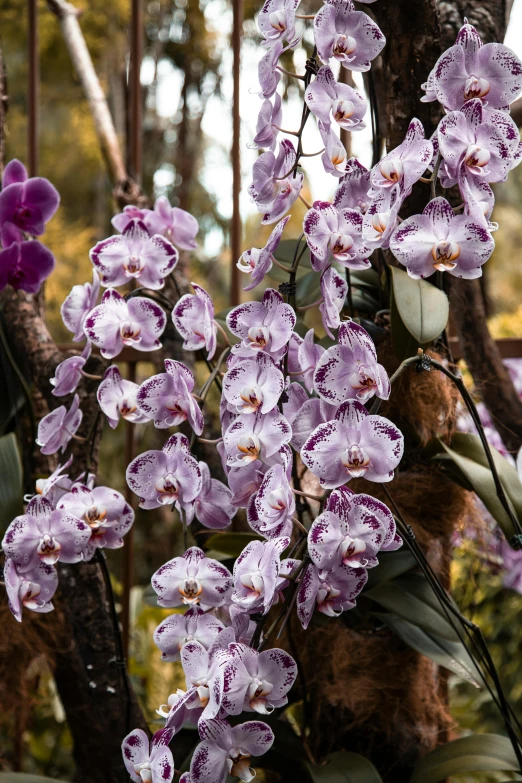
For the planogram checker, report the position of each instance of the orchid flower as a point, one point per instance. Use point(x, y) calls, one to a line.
point(405, 164)
point(274, 186)
point(193, 317)
point(78, 304)
point(311, 413)
point(268, 122)
point(353, 187)
point(201, 669)
point(267, 71)
point(226, 750)
point(330, 593)
point(136, 322)
point(166, 477)
point(176, 225)
point(351, 530)
point(330, 100)
point(68, 373)
point(149, 764)
point(347, 35)
point(440, 240)
point(338, 233)
point(255, 436)
point(57, 428)
point(24, 264)
point(129, 214)
point(104, 510)
point(26, 203)
point(134, 255)
point(350, 369)
point(256, 573)
point(192, 579)
point(194, 626)
point(253, 384)
point(272, 507)
point(257, 262)
point(253, 681)
point(29, 588)
point(491, 73)
point(45, 535)
point(276, 22)
point(118, 397)
point(167, 398)
point(381, 217)
point(303, 355)
point(334, 289)
point(213, 506)
point(265, 325)
point(353, 444)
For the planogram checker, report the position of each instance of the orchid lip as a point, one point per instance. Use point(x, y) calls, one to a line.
point(356, 461)
point(168, 487)
point(49, 549)
point(477, 157)
point(253, 581)
point(258, 336)
point(28, 593)
point(277, 500)
point(133, 265)
point(277, 20)
point(476, 87)
point(252, 397)
point(130, 331)
point(250, 447)
point(342, 110)
point(341, 244)
point(380, 221)
point(344, 45)
point(444, 254)
point(190, 590)
point(392, 170)
point(95, 514)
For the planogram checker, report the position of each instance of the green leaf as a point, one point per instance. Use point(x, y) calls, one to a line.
point(11, 502)
point(423, 308)
point(231, 544)
point(476, 753)
point(22, 777)
point(403, 343)
point(285, 254)
point(391, 565)
point(449, 654)
point(472, 470)
point(308, 289)
point(344, 768)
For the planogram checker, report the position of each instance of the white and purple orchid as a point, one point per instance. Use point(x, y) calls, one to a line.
point(149, 763)
point(405, 164)
point(347, 35)
point(167, 398)
point(30, 587)
point(117, 397)
point(192, 579)
point(57, 428)
point(330, 593)
point(193, 317)
point(78, 304)
point(177, 630)
point(253, 385)
point(227, 750)
point(336, 233)
point(257, 262)
point(255, 436)
point(330, 100)
point(275, 186)
point(265, 325)
point(272, 507)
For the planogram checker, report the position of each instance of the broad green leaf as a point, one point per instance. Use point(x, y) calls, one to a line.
point(22, 777)
point(286, 251)
point(308, 289)
point(403, 343)
point(423, 308)
point(476, 753)
point(344, 768)
point(391, 565)
point(11, 503)
point(231, 544)
point(467, 454)
point(411, 597)
point(452, 655)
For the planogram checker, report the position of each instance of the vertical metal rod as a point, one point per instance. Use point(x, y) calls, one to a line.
point(33, 91)
point(128, 550)
point(235, 226)
point(135, 93)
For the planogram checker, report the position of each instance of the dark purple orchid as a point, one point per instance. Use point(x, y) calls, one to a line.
point(352, 530)
point(104, 510)
point(274, 186)
point(191, 580)
point(24, 264)
point(167, 398)
point(257, 262)
point(353, 444)
point(136, 322)
point(491, 73)
point(347, 35)
point(440, 240)
point(134, 255)
point(166, 477)
point(26, 203)
point(349, 370)
point(194, 626)
point(149, 764)
point(193, 317)
point(226, 750)
point(117, 397)
point(45, 535)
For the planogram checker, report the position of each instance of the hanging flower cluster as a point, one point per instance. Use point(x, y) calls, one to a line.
point(289, 405)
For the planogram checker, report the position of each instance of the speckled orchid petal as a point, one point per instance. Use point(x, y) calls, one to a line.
point(193, 317)
point(213, 506)
point(334, 289)
point(178, 629)
point(68, 373)
point(330, 593)
point(405, 164)
point(57, 428)
point(274, 187)
point(253, 385)
point(347, 35)
point(227, 750)
point(352, 191)
point(271, 509)
point(29, 588)
point(78, 304)
point(166, 398)
point(257, 262)
point(256, 573)
point(191, 580)
point(177, 225)
point(117, 398)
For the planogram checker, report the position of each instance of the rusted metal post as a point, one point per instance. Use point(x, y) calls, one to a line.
point(32, 96)
point(235, 226)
